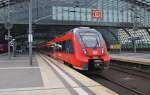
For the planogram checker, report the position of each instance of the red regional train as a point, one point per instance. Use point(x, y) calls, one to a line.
point(3, 48)
point(82, 48)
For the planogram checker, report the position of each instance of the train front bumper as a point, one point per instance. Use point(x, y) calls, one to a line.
point(95, 64)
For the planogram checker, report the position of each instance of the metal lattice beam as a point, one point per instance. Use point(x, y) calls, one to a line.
point(4, 3)
point(141, 3)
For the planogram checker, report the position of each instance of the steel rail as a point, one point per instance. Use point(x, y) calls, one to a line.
point(121, 85)
point(128, 70)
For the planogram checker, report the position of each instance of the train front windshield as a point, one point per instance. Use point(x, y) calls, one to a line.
point(89, 39)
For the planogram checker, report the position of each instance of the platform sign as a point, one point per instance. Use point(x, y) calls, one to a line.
point(98, 14)
point(8, 38)
point(8, 25)
point(115, 46)
point(30, 38)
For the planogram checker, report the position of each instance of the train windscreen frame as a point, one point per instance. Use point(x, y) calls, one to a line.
point(89, 38)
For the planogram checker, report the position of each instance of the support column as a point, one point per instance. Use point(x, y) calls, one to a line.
point(30, 38)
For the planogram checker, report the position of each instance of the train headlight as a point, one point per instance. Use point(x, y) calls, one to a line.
point(84, 50)
point(102, 50)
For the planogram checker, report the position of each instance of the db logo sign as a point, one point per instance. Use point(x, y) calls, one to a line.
point(97, 14)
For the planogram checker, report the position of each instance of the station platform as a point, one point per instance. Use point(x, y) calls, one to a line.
point(45, 77)
point(139, 58)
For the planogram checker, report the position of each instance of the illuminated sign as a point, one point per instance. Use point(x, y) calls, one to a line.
point(98, 14)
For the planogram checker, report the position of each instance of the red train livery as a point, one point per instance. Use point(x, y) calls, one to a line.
point(83, 48)
point(3, 48)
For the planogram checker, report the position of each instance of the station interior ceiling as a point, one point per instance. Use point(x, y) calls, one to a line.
point(122, 19)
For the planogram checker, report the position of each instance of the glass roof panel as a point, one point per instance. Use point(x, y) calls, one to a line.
point(145, 1)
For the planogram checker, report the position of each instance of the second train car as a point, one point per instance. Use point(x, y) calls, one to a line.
point(3, 48)
point(82, 48)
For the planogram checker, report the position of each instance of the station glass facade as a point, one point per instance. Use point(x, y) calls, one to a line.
point(115, 12)
point(111, 12)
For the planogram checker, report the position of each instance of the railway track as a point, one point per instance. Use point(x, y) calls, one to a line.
point(131, 71)
point(126, 87)
point(136, 78)
point(121, 85)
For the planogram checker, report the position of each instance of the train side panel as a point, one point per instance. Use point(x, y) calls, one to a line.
point(72, 50)
point(3, 48)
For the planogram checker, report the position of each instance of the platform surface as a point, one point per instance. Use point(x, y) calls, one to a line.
point(139, 58)
point(44, 78)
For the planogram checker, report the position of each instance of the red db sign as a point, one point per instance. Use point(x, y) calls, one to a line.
point(97, 14)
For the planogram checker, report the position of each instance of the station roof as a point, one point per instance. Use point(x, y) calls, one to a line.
point(142, 3)
point(74, 3)
point(81, 3)
point(4, 3)
point(145, 1)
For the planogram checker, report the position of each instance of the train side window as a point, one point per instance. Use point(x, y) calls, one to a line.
point(69, 46)
point(59, 46)
point(47, 48)
point(55, 47)
point(64, 46)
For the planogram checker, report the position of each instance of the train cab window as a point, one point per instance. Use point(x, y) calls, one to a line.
point(89, 39)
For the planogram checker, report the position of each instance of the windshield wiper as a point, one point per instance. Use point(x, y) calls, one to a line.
point(96, 44)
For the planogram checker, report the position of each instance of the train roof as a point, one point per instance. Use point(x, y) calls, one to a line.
point(75, 30)
point(83, 28)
